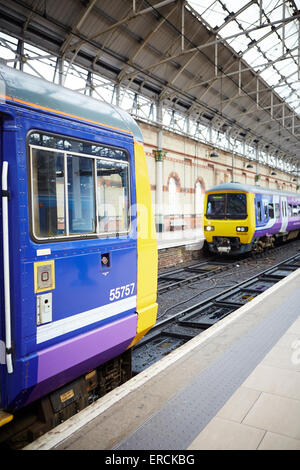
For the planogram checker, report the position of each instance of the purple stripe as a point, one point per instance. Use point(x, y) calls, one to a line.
point(292, 225)
point(72, 352)
point(70, 359)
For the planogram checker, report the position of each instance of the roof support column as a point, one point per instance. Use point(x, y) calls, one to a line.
point(20, 55)
point(260, 12)
point(117, 91)
point(232, 160)
point(60, 68)
point(182, 25)
point(298, 50)
point(159, 156)
point(256, 172)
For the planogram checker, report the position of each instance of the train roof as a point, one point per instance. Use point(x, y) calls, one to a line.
point(247, 188)
point(26, 89)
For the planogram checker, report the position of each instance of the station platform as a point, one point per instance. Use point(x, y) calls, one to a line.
point(234, 386)
point(179, 247)
point(192, 238)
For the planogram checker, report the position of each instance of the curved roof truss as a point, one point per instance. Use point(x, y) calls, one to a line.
point(211, 64)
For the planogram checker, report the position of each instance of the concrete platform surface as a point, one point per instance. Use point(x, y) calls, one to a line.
point(234, 386)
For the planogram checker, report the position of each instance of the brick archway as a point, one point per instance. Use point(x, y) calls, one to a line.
point(176, 178)
point(201, 181)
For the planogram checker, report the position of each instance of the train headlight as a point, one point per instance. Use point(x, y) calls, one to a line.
point(242, 229)
point(209, 228)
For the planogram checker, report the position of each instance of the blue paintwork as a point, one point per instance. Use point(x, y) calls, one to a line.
point(79, 283)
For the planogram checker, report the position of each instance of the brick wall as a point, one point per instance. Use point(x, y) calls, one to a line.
point(175, 256)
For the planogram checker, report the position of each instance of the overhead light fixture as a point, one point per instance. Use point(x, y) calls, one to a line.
point(214, 154)
point(273, 173)
point(294, 179)
point(249, 165)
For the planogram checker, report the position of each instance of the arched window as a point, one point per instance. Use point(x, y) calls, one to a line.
point(172, 196)
point(199, 200)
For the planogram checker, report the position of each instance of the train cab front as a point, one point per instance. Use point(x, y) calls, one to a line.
point(228, 225)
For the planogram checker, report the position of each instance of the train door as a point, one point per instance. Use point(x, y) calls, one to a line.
point(265, 210)
point(73, 257)
point(2, 335)
point(259, 211)
point(284, 214)
point(8, 250)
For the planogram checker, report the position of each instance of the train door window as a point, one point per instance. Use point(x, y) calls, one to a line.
point(277, 210)
point(48, 193)
point(266, 213)
point(259, 217)
point(271, 210)
point(295, 210)
point(81, 195)
point(112, 197)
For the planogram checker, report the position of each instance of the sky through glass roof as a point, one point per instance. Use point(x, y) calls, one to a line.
point(272, 51)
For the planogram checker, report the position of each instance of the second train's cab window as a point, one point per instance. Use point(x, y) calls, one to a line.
point(77, 188)
point(226, 206)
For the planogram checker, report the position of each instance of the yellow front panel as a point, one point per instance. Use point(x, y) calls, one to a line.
point(227, 228)
point(147, 259)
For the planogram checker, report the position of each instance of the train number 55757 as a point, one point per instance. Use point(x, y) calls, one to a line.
point(120, 292)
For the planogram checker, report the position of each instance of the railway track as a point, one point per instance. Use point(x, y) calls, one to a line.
point(186, 275)
point(182, 276)
point(174, 331)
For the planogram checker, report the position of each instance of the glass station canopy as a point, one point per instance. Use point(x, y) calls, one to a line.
point(272, 51)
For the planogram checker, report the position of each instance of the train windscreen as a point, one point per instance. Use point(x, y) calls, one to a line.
point(226, 206)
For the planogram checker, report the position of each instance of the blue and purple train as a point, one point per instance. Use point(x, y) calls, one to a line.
point(239, 218)
point(78, 272)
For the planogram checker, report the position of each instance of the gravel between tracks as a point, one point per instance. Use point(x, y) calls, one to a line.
point(175, 300)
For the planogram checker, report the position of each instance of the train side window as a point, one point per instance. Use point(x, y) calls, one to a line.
point(277, 210)
point(112, 194)
point(290, 210)
point(259, 217)
point(73, 193)
point(271, 210)
point(48, 193)
point(81, 195)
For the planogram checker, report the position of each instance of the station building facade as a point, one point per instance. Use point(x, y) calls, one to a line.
point(187, 171)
